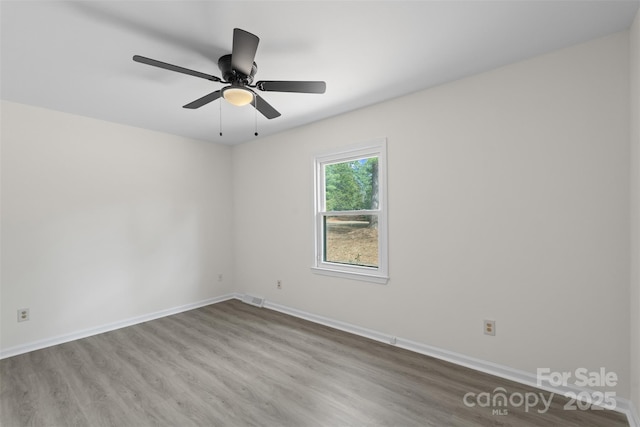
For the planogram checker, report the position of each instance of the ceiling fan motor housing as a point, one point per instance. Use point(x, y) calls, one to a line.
point(234, 76)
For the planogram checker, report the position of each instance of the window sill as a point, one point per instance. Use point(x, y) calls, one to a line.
point(371, 278)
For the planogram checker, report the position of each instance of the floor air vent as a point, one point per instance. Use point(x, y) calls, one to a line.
point(250, 299)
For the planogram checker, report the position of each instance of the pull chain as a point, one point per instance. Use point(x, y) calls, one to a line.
point(255, 101)
point(220, 103)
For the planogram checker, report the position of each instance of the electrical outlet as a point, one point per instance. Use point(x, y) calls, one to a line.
point(23, 315)
point(279, 284)
point(489, 327)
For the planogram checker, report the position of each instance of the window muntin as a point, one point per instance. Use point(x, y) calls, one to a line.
point(351, 227)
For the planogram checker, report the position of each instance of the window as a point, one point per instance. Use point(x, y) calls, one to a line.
point(350, 212)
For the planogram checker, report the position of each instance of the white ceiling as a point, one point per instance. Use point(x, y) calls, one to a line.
point(76, 56)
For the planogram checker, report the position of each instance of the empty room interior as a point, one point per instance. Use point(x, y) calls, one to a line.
point(310, 213)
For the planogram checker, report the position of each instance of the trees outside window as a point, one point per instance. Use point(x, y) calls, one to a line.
point(350, 214)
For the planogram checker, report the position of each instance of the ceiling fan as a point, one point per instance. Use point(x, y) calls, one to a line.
point(238, 70)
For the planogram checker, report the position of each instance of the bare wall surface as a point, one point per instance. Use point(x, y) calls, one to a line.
point(634, 49)
point(103, 222)
point(508, 200)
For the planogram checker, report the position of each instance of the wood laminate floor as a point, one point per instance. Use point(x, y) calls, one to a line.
point(231, 364)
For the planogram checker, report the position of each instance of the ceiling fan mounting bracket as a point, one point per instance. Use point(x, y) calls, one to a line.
point(234, 76)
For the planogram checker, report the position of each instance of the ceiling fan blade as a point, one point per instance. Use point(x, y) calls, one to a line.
point(245, 46)
point(176, 68)
point(203, 101)
point(264, 107)
point(286, 86)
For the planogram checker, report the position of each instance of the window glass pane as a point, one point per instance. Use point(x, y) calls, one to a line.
point(351, 186)
point(351, 239)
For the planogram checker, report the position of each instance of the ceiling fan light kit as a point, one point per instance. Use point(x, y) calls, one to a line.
point(238, 71)
point(237, 96)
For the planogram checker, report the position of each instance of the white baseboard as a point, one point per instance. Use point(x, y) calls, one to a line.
point(523, 377)
point(357, 330)
point(48, 342)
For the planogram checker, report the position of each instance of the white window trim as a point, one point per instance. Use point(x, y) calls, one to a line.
point(378, 148)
